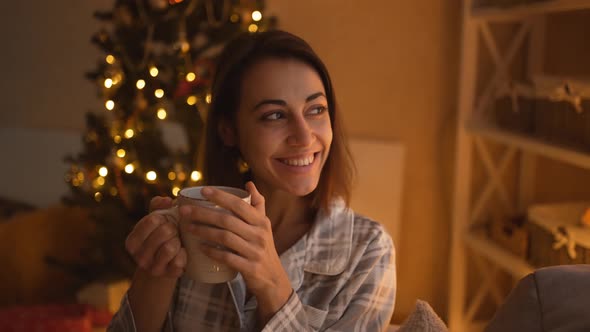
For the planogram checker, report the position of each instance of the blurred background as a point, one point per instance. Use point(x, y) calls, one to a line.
point(400, 85)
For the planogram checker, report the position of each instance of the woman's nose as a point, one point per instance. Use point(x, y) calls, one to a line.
point(301, 134)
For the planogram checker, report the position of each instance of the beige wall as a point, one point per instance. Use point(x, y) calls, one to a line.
point(394, 66)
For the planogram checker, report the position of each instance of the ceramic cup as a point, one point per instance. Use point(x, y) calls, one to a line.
point(200, 267)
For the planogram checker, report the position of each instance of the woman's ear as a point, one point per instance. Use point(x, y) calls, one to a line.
point(227, 133)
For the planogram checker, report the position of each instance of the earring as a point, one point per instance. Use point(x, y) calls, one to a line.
point(243, 166)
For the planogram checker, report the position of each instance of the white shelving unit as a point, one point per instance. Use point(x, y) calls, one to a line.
point(475, 134)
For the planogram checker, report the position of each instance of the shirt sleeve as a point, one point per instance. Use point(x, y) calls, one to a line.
point(366, 301)
point(123, 320)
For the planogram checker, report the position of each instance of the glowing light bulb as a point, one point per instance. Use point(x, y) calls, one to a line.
point(195, 176)
point(159, 93)
point(191, 100)
point(117, 139)
point(175, 191)
point(110, 59)
point(121, 153)
point(98, 196)
point(103, 171)
point(100, 181)
point(171, 176)
point(191, 77)
point(129, 133)
point(129, 168)
point(185, 47)
point(110, 105)
point(253, 27)
point(256, 15)
point(151, 175)
point(154, 71)
point(108, 83)
point(162, 114)
point(208, 98)
point(140, 84)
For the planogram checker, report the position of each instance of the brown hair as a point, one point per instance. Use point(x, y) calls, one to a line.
point(221, 163)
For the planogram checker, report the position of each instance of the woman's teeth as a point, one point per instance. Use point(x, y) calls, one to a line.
point(299, 161)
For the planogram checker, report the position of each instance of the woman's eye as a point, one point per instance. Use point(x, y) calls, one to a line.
point(273, 116)
point(318, 110)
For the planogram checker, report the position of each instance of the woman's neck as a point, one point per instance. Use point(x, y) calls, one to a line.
point(290, 216)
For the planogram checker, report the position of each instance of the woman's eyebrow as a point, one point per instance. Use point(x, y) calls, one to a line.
point(281, 102)
point(314, 96)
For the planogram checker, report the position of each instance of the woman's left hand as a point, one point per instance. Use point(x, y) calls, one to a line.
point(248, 233)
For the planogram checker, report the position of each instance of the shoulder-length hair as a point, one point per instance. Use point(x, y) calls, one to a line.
point(221, 163)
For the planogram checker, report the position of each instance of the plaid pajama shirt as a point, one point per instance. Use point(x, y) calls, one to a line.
point(342, 273)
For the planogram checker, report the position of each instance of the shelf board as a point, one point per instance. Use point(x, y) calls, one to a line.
point(518, 12)
point(478, 241)
point(538, 147)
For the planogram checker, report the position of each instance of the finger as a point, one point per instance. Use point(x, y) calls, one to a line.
point(160, 202)
point(217, 218)
point(232, 203)
point(256, 198)
point(164, 255)
point(146, 254)
point(228, 258)
point(228, 240)
point(177, 266)
point(142, 230)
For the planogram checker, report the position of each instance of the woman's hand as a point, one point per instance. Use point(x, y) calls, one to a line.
point(248, 234)
point(154, 243)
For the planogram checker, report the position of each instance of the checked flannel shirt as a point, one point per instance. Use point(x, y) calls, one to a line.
point(342, 273)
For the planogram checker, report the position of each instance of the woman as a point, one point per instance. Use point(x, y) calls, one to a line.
point(306, 262)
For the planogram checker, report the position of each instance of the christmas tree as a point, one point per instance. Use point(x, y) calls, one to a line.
point(154, 79)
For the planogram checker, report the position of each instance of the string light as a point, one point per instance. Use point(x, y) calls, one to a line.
point(113, 191)
point(98, 196)
point(117, 139)
point(185, 47)
point(140, 84)
point(175, 191)
point(103, 171)
point(129, 133)
point(191, 77)
point(253, 27)
point(129, 168)
point(108, 83)
point(162, 114)
point(191, 100)
point(256, 15)
point(154, 71)
point(195, 176)
point(110, 59)
point(181, 176)
point(110, 105)
point(159, 93)
point(171, 176)
point(234, 18)
point(151, 176)
point(121, 153)
point(208, 98)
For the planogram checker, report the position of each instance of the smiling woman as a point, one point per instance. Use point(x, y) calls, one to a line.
point(306, 261)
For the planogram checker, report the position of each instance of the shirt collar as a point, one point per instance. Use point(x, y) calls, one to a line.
point(325, 249)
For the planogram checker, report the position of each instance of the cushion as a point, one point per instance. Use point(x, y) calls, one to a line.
point(423, 319)
point(551, 299)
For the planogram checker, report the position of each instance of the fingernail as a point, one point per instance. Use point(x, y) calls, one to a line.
point(206, 191)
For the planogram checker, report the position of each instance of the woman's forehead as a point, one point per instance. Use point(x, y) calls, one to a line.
point(281, 78)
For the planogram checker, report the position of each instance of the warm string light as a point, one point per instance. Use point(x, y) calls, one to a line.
point(108, 83)
point(140, 84)
point(195, 176)
point(208, 98)
point(110, 59)
point(161, 114)
point(129, 168)
point(191, 100)
point(253, 27)
point(154, 71)
point(121, 153)
point(191, 77)
point(151, 176)
point(159, 93)
point(103, 171)
point(109, 105)
point(129, 133)
point(256, 15)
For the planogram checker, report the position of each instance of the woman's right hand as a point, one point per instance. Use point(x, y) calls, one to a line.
point(154, 243)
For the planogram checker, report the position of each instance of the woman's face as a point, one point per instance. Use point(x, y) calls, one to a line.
point(283, 128)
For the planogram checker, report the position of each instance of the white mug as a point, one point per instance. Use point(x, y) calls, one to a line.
point(200, 267)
